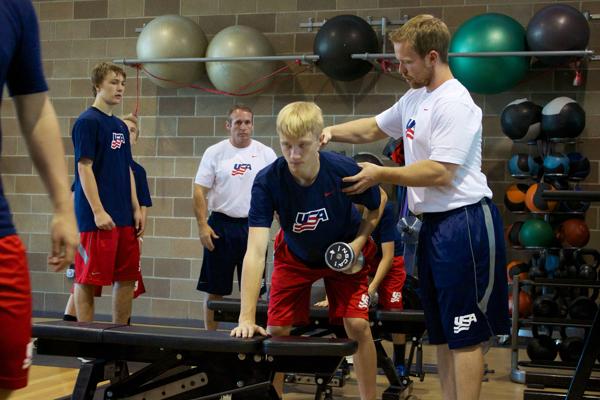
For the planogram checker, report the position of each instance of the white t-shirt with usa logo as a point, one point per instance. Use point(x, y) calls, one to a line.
point(443, 125)
point(229, 173)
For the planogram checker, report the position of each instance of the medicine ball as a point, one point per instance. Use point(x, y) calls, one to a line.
point(579, 166)
point(521, 270)
point(556, 163)
point(512, 234)
point(536, 233)
point(514, 197)
point(525, 304)
point(562, 118)
point(573, 232)
point(340, 37)
point(523, 166)
point(534, 201)
point(521, 120)
point(558, 27)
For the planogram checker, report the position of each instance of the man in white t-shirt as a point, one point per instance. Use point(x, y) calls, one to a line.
point(461, 253)
point(223, 185)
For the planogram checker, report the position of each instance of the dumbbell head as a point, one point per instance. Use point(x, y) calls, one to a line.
point(340, 257)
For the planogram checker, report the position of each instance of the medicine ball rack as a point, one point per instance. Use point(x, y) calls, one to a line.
point(581, 380)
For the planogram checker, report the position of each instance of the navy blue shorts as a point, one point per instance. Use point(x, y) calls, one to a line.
point(462, 277)
point(216, 276)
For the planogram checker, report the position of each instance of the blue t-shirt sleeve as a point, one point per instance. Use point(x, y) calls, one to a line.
point(387, 225)
point(261, 204)
point(85, 132)
point(141, 186)
point(25, 74)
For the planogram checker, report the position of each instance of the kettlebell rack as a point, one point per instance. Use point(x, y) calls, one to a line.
point(581, 380)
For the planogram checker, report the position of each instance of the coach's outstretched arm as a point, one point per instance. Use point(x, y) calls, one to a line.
point(364, 130)
point(252, 272)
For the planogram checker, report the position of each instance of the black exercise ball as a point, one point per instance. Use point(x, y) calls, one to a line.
point(558, 27)
point(563, 117)
point(520, 120)
point(340, 37)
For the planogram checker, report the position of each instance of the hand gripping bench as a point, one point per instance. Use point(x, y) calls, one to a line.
point(185, 363)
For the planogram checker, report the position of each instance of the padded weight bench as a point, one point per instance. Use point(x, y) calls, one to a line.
point(186, 363)
point(383, 322)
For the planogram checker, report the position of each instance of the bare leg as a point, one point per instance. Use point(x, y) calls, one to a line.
point(278, 379)
point(365, 359)
point(209, 315)
point(122, 299)
point(84, 302)
point(446, 372)
point(468, 370)
point(70, 308)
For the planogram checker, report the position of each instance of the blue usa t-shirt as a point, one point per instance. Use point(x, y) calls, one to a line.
point(104, 139)
point(20, 69)
point(386, 231)
point(141, 185)
point(311, 217)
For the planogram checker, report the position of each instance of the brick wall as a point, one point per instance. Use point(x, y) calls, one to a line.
point(177, 125)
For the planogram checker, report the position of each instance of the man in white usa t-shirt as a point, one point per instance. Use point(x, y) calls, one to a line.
point(223, 185)
point(461, 253)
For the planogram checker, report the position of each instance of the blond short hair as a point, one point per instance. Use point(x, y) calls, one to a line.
point(424, 33)
point(130, 117)
point(300, 118)
point(100, 71)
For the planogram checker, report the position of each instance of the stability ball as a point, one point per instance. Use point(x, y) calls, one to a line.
point(340, 37)
point(562, 117)
point(238, 76)
point(558, 27)
point(485, 33)
point(520, 120)
point(172, 36)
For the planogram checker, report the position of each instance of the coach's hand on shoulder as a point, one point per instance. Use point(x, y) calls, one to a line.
point(207, 234)
point(103, 220)
point(64, 237)
point(366, 178)
point(247, 329)
point(325, 136)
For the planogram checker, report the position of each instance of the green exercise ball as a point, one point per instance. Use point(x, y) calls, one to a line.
point(536, 233)
point(485, 33)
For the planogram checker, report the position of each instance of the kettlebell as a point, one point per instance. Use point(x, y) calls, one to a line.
point(584, 307)
point(542, 347)
point(587, 262)
point(570, 347)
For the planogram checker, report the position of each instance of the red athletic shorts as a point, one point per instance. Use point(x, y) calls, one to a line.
point(390, 289)
point(138, 290)
point(15, 314)
point(113, 256)
point(291, 282)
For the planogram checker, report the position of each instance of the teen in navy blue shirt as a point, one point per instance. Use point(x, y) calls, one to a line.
point(304, 187)
point(106, 204)
point(21, 70)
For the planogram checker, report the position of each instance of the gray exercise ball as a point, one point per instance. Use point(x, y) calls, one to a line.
point(172, 36)
point(237, 76)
